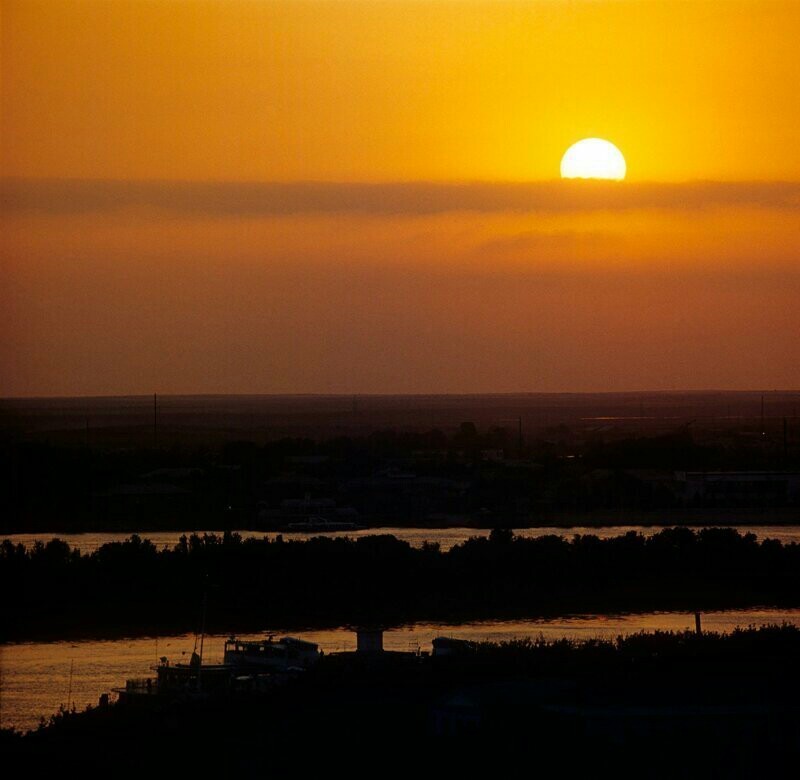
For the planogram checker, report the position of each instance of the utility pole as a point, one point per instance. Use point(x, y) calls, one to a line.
point(69, 691)
point(202, 629)
point(88, 464)
point(155, 421)
point(785, 443)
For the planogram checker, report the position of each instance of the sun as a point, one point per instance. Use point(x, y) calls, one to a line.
point(593, 158)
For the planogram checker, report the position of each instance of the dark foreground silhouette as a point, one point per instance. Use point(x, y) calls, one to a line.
point(132, 588)
point(646, 705)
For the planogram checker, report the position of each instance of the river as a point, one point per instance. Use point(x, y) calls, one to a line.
point(37, 677)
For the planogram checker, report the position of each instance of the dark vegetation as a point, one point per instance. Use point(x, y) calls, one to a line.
point(133, 588)
point(116, 464)
point(647, 705)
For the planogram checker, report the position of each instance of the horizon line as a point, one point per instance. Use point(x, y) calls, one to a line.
point(490, 394)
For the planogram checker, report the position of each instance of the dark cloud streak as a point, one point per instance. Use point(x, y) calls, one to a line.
point(253, 199)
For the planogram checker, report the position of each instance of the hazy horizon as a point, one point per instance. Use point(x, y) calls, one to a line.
point(640, 392)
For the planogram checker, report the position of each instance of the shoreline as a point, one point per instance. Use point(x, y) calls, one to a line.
point(689, 518)
point(635, 677)
point(115, 633)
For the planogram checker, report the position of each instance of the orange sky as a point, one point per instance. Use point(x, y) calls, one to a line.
point(232, 284)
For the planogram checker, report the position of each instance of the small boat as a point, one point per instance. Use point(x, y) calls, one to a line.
point(247, 665)
point(283, 655)
point(182, 680)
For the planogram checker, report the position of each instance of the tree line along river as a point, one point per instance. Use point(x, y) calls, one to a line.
point(37, 677)
point(416, 537)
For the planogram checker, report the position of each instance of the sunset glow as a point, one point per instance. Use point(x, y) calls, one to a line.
point(353, 196)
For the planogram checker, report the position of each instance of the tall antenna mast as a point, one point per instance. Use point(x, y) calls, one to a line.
point(202, 629)
point(69, 690)
point(785, 443)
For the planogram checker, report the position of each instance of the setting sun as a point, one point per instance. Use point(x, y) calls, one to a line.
point(593, 158)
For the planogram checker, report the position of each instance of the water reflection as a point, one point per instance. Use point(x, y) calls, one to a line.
point(35, 676)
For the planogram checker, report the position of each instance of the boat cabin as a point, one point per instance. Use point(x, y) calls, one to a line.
point(269, 654)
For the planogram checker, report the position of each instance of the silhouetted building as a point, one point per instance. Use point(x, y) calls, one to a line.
point(369, 641)
point(739, 488)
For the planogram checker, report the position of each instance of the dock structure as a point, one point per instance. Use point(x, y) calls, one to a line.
point(369, 640)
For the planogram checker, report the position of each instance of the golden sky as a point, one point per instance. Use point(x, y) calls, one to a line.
point(337, 196)
point(398, 89)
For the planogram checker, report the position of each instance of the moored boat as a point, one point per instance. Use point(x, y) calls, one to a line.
point(282, 655)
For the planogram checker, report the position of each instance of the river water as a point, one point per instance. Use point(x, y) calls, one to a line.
point(37, 677)
point(445, 537)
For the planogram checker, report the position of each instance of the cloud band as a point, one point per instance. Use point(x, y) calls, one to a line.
point(253, 199)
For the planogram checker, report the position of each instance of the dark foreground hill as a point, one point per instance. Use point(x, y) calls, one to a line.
point(648, 706)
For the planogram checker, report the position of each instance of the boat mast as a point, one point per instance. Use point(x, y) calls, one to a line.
point(69, 691)
point(202, 630)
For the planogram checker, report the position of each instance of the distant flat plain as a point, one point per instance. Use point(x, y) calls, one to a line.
point(187, 419)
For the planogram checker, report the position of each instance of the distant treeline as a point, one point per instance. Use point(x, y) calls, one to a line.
point(482, 477)
point(132, 588)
